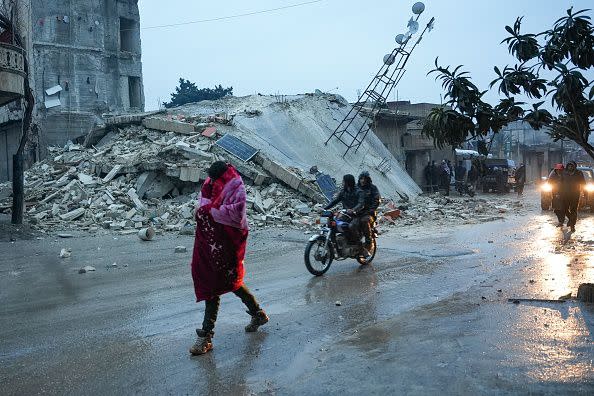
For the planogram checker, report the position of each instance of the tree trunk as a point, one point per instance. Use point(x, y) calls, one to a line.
point(18, 188)
point(18, 163)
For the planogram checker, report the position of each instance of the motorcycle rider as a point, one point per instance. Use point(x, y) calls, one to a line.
point(349, 196)
point(365, 211)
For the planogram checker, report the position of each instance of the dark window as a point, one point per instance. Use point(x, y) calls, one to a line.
point(128, 34)
point(135, 92)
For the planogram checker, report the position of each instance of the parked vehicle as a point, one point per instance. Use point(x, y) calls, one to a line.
point(332, 243)
point(499, 175)
point(586, 199)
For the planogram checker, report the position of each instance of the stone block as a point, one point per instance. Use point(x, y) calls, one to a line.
point(160, 124)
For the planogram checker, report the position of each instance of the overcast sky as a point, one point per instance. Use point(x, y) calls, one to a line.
point(326, 45)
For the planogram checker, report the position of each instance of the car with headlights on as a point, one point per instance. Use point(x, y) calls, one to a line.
point(586, 199)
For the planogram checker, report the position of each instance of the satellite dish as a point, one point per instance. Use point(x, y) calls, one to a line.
point(400, 39)
point(389, 59)
point(418, 8)
point(413, 27)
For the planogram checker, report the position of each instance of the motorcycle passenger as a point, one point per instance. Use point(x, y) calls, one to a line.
point(365, 212)
point(349, 196)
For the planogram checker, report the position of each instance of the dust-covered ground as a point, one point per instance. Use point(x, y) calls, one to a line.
point(430, 315)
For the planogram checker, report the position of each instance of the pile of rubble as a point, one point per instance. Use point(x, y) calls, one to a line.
point(137, 177)
point(441, 210)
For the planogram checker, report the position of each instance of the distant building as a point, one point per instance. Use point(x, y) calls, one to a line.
point(85, 61)
point(399, 127)
point(536, 149)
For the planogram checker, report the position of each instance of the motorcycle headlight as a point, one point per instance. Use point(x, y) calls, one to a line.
point(589, 187)
point(547, 187)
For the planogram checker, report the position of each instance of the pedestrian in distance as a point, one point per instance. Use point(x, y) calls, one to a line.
point(428, 176)
point(554, 180)
point(473, 176)
point(445, 177)
point(572, 183)
point(520, 179)
point(435, 174)
point(219, 250)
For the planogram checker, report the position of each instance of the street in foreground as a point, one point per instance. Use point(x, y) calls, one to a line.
point(431, 315)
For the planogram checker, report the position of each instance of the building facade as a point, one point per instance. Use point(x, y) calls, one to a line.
point(399, 127)
point(85, 62)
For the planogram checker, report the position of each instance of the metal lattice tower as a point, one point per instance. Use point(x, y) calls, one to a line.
point(374, 98)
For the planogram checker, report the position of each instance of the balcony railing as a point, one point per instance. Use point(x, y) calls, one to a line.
point(12, 73)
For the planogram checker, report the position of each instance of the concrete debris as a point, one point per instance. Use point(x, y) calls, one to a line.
point(64, 235)
point(86, 269)
point(65, 253)
point(145, 170)
point(180, 249)
point(438, 209)
point(146, 178)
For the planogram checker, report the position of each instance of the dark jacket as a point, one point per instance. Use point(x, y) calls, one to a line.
point(460, 172)
point(370, 201)
point(348, 198)
point(572, 184)
point(521, 175)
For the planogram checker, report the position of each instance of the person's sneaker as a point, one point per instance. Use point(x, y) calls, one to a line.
point(572, 228)
point(203, 344)
point(258, 319)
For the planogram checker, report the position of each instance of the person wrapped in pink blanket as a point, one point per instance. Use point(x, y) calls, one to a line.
point(219, 250)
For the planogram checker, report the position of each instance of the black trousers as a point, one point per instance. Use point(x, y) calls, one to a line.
point(363, 224)
point(212, 308)
point(570, 209)
point(520, 188)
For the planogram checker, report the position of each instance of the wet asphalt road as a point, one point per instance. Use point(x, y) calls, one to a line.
point(431, 315)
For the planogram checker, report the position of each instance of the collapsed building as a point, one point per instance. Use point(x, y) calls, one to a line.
point(85, 62)
point(145, 169)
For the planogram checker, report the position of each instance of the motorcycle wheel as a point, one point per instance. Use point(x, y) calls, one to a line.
point(314, 265)
point(368, 259)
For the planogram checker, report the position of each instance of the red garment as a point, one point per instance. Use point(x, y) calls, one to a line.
point(221, 237)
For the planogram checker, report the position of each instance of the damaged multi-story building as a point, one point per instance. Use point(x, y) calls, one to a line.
point(399, 127)
point(85, 63)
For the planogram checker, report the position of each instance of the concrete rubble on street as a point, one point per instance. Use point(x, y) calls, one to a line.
point(146, 171)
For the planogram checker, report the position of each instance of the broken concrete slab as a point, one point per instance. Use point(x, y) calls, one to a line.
point(143, 182)
point(86, 269)
point(87, 180)
point(180, 249)
point(132, 194)
point(160, 124)
point(76, 213)
point(112, 173)
point(160, 186)
point(192, 174)
point(129, 119)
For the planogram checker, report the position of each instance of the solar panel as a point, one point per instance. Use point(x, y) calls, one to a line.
point(237, 147)
point(327, 186)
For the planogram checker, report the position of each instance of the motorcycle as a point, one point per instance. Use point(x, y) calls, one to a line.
point(332, 243)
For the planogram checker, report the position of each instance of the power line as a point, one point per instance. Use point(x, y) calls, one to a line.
point(233, 16)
